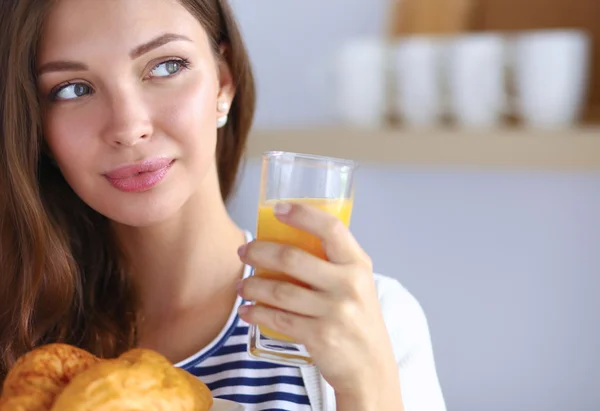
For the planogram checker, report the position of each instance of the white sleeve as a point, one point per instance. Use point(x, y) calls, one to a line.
point(409, 332)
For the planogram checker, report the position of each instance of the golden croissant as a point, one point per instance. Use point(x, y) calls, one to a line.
point(62, 377)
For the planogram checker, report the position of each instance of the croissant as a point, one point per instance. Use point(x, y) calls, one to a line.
point(60, 377)
point(39, 376)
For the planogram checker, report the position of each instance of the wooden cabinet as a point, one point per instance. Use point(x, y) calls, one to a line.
point(505, 15)
point(534, 14)
point(513, 149)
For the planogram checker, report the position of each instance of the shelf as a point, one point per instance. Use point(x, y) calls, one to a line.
point(577, 149)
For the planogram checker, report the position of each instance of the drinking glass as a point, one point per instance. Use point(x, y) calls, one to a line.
point(323, 182)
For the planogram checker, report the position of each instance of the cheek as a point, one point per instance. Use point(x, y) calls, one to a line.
point(190, 120)
point(70, 136)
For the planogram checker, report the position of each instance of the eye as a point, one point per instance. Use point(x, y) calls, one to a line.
point(71, 91)
point(168, 68)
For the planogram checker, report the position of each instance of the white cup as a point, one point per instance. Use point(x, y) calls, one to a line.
point(477, 80)
point(361, 75)
point(551, 72)
point(417, 66)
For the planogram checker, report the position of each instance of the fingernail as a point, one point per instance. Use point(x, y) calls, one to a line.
point(282, 208)
point(243, 309)
point(242, 250)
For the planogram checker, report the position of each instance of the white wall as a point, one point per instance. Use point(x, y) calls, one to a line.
point(292, 44)
point(506, 265)
point(507, 268)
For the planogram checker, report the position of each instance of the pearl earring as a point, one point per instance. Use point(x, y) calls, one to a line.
point(221, 121)
point(222, 107)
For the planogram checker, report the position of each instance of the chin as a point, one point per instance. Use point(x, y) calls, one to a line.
point(149, 210)
point(159, 204)
point(139, 209)
point(140, 219)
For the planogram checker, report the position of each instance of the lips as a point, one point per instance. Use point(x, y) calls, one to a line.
point(147, 166)
point(140, 177)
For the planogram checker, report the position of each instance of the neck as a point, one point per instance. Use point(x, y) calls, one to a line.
point(186, 260)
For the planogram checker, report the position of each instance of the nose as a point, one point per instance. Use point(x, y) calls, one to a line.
point(129, 121)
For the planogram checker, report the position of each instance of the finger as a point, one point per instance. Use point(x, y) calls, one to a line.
point(285, 296)
point(339, 244)
point(294, 262)
point(292, 325)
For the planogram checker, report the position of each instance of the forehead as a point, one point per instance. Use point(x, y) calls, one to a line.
point(112, 25)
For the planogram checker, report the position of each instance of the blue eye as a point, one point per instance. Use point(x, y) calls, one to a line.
point(168, 68)
point(71, 91)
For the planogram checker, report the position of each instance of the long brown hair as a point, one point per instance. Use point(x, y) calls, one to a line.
point(62, 278)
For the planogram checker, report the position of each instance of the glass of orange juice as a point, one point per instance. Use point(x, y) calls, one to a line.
point(323, 182)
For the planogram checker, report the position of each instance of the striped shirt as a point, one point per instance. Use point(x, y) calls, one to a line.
point(227, 369)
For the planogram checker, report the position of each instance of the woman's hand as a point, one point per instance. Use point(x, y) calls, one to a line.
point(338, 319)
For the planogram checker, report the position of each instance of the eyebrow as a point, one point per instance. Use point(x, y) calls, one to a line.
point(63, 65)
point(156, 43)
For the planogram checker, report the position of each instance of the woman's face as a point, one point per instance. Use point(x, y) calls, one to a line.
point(129, 92)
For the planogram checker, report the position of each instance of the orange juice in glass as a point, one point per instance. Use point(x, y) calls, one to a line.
point(322, 182)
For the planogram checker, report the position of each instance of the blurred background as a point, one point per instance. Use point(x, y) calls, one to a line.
point(477, 127)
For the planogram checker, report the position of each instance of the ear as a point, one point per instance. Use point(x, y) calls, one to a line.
point(226, 84)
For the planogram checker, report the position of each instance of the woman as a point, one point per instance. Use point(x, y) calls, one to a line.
point(123, 125)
